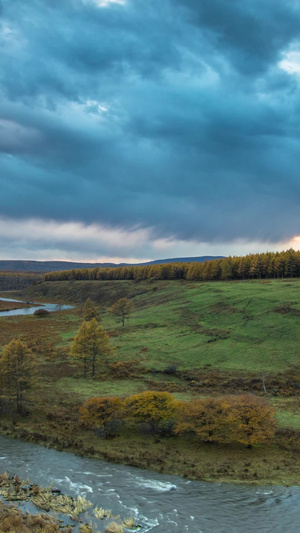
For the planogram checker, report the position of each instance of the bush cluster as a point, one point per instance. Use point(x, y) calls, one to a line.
point(244, 419)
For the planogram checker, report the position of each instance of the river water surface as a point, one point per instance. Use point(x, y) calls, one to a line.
point(31, 310)
point(159, 503)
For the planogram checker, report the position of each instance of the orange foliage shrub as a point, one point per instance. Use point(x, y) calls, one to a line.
point(244, 419)
point(153, 407)
point(252, 419)
point(100, 412)
point(205, 418)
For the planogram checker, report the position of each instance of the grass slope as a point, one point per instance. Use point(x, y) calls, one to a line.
point(228, 325)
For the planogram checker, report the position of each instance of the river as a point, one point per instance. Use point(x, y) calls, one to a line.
point(31, 310)
point(159, 503)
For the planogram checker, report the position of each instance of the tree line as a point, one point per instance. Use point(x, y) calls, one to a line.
point(253, 266)
point(18, 280)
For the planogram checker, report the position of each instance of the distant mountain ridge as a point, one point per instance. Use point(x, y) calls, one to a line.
point(52, 266)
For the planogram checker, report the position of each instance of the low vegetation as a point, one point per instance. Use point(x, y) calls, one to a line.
point(46, 499)
point(242, 419)
point(12, 520)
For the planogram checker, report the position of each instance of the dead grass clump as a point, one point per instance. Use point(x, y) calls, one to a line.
point(129, 522)
point(43, 498)
point(85, 528)
point(101, 513)
point(13, 521)
point(114, 527)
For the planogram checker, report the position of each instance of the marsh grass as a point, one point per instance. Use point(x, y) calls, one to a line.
point(101, 513)
point(14, 489)
point(114, 527)
point(13, 521)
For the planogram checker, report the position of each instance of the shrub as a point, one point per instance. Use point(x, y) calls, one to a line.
point(288, 439)
point(151, 407)
point(170, 370)
point(125, 369)
point(41, 313)
point(205, 418)
point(244, 419)
point(252, 420)
point(103, 414)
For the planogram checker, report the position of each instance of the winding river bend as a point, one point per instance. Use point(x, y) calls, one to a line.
point(159, 503)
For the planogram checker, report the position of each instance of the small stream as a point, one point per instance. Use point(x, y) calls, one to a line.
point(159, 503)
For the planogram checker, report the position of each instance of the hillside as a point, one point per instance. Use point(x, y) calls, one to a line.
point(247, 325)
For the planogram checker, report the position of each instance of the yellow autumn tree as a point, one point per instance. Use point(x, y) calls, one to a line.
point(90, 310)
point(122, 308)
point(90, 346)
point(17, 370)
point(244, 419)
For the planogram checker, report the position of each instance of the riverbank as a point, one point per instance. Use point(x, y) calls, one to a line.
point(261, 465)
point(10, 306)
point(157, 502)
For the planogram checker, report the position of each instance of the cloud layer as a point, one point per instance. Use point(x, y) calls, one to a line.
point(175, 119)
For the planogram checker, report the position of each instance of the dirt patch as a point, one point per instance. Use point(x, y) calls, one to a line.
point(223, 307)
point(286, 308)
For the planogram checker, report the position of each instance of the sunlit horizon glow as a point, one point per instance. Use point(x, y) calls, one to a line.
point(38, 239)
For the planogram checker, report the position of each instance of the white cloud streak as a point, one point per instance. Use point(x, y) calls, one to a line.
point(52, 240)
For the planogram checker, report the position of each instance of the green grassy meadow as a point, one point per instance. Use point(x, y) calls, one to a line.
point(227, 325)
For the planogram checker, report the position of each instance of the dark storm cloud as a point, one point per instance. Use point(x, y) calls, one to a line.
point(170, 115)
point(250, 33)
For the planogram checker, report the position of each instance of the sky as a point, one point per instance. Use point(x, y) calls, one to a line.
point(133, 130)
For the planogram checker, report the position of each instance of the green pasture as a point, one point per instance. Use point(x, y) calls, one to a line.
point(225, 325)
